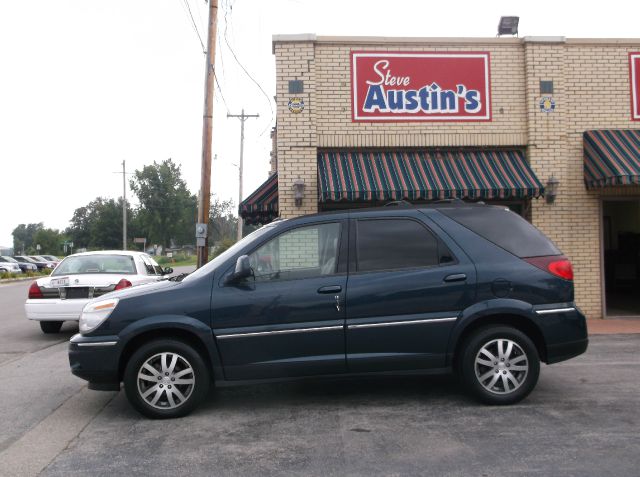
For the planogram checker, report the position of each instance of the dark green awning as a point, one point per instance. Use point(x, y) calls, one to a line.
point(611, 157)
point(261, 207)
point(425, 175)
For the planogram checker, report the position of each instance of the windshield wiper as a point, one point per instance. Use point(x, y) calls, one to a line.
point(177, 278)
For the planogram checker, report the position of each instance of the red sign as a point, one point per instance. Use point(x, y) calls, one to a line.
point(412, 86)
point(634, 79)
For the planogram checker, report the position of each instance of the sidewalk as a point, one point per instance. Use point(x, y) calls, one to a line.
point(613, 326)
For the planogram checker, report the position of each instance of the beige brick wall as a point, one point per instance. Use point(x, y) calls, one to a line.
point(578, 68)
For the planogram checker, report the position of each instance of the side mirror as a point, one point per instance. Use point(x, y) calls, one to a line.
point(243, 270)
point(167, 271)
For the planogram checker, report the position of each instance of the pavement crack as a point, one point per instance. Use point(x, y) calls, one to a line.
point(77, 436)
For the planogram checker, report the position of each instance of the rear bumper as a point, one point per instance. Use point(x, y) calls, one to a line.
point(565, 332)
point(52, 309)
point(563, 351)
point(95, 359)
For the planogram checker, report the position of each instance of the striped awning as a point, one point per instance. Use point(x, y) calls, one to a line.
point(611, 157)
point(425, 175)
point(261, 207)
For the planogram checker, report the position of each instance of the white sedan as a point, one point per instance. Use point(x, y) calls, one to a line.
point(83, 276)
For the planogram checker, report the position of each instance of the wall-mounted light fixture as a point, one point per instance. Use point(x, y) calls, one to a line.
point(551, 190)
point(298, 191)
point(508, 26)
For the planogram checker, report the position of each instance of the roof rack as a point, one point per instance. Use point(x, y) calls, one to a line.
point(449, 201)
point(398, 203)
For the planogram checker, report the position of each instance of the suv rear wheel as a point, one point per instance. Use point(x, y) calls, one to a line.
point(499, 365)
point(166, 378)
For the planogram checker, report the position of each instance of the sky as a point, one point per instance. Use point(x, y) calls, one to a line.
point(86, 84)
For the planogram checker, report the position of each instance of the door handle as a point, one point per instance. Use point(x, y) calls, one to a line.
point(456, 277)
point(330, 289)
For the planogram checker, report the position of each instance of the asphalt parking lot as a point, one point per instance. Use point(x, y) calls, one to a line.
point(582, 420)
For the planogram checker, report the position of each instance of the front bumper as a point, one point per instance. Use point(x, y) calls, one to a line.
point(95, 359)
point(55, 309)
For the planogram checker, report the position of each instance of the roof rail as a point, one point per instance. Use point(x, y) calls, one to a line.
point(398, 203)
point(449, 201)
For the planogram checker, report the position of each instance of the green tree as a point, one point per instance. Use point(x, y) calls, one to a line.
point(222, 223)
point(98, 225)
point(23, 238)
point(50, 241)
point(167, 209)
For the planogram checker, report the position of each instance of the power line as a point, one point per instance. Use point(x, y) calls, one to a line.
point(215, 77)
point(195, 27)
point(235, 57)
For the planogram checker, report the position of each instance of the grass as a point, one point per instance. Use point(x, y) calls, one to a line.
point(177, 261)
point(25, 274)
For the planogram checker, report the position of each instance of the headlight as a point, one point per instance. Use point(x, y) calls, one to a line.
point(94, 314)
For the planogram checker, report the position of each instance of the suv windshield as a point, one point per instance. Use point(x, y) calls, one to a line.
point(82, 264)
point(252, 237)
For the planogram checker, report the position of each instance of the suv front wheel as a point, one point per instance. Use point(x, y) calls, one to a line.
point(499, 365)
point(166, 378)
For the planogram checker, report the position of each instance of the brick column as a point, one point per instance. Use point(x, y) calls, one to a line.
point(572, 222)
point(296, 135)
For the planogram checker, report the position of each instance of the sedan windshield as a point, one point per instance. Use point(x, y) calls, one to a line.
point(83, 264)
point(9, 259)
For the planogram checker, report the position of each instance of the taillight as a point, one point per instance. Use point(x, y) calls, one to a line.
point(34, 291)
point(124, 283)
point(557, 265)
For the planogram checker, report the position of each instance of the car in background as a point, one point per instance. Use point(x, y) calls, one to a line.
point(51, 258)
point(40, 259)
point(40, 265)
point(7, 266)
point(83, 276)
point(24, 267)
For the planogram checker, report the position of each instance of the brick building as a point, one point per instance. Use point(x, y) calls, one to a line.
point(361, 121)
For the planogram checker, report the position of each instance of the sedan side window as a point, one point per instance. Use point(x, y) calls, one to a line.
point(147, 265)
point(300, 253)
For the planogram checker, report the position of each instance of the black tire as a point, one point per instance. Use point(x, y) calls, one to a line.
point(50, 327)
point(169, 404)
point(513, 383)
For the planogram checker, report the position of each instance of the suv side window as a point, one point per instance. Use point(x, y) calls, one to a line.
point(303, 252)
point(392, 244)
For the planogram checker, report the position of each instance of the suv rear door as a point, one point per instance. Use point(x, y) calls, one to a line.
point(408, 282)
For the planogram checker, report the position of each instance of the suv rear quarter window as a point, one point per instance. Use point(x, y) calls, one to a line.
point(505, 229)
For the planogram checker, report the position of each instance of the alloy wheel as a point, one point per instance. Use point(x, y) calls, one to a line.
point(501, 366)
point(166, 380)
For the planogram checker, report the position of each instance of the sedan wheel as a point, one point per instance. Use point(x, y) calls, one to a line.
point(166, 378)
point(499, 364)
point(49, 327)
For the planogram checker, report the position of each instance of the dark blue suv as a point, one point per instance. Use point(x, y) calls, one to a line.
point(453, 287)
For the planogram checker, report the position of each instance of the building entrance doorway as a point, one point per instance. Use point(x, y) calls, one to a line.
point(621, 243)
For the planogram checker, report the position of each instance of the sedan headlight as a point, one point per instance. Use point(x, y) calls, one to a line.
point(95, 313)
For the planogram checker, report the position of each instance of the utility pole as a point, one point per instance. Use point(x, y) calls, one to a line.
point(124, 207)
point(243, 117)
point(204, 202)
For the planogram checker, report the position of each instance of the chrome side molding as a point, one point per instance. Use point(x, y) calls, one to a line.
point(555, 310)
